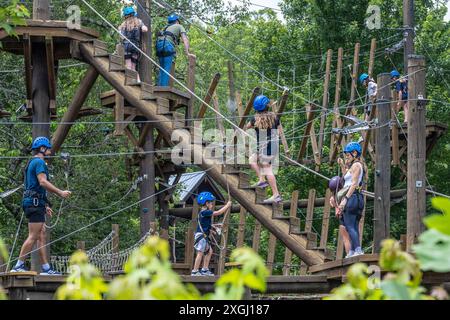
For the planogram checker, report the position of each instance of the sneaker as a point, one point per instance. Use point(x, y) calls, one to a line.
point(50, 272)
point(206, 272)
point(350, 254)
point(273, 199)
point(262, 185)
point(358, 252)
point(195, 273)
point(20, 268)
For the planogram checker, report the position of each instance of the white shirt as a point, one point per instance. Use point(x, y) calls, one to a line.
point(348, 177)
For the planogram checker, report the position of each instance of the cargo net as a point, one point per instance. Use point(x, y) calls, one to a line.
point(102, 256)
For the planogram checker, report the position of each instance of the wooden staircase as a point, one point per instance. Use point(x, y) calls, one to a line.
point(159, 104)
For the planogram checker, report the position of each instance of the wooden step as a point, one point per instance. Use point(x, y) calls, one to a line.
point(100, 48)
point(147, 92)
point(163, 106)
point(229, 169)
point(177, 120)
point(278, 212)
point(328, 253)
point(244, 180)
point(116, 63)
point(131, 78)
point(294, 225)
point(260, 195)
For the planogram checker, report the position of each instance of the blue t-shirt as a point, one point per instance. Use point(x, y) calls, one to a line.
point(205, 219)
point(402, 86)
point(35, 167)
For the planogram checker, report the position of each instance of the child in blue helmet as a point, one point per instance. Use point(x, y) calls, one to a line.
point(401, 89)
point(167, 41)
point(371, 94)
point(131, 28)
point(202, 241)
point(350, 198)
point(267, 127)
point(36, 205)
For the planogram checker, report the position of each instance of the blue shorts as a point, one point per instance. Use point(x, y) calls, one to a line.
point(35, 214)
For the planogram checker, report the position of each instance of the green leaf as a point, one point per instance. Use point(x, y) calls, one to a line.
point(433, 251)
point(437, 221)
point(395, 290)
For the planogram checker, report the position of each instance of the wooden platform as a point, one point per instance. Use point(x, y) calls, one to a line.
point(39, 30)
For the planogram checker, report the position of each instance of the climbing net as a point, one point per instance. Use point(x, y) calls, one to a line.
point(102, 256)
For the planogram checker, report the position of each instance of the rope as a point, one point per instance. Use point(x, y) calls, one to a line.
point(15, 240)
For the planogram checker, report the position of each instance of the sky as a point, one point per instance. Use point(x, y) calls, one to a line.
point(274, 4)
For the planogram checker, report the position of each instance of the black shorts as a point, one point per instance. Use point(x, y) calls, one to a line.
point(35, 214)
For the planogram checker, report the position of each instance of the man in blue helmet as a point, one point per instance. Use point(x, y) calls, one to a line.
point(371, 94)
point(401, 88)
point(36, 205)
point(167, 41)
point(202, 242)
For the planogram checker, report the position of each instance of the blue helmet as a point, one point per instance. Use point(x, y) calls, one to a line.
point(363, 77)
point(395, 74)
point(260, 103)
point(205, 196)
point(41, 142)
point(172, 18)
point(129, 11)
point(353, 146)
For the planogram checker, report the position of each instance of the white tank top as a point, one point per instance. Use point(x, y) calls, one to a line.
point(348, 177)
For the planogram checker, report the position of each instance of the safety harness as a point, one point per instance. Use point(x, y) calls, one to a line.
point(204, 234)
point(28, 193)
point(164, 33)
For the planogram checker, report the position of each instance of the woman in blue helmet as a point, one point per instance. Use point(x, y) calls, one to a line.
point(36, 205)
point(401, 88)
point(202, 242)
point(131, 28)
point(167, 41)
point(267, 127)
point(350, 198)
point(371, 86)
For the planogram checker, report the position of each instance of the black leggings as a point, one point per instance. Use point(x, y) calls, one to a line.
point(352, 216)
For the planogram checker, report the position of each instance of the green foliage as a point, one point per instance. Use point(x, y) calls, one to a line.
point(148, 275)
point(433, 249)
point(402, 281)
point(13, 15)
point(3, 257)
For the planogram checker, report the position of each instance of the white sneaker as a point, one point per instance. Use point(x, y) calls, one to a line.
point(350, 254)
point(358, 252)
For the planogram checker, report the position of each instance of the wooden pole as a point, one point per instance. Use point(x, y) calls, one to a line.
point(256, 236)
point(288, 253)
point(232, 95)
point(191, 86)
point(416, 204)
point(373, 47)
point(310, 210)
point(77, 102)
point(395, 142)
point(81, 245)
point(115, 239)
point(326, 98)
point(337, 98)
point(145, 66)
point(224, 243)
point(271, 252)
point(325, 220)
point(354, 77)
point(408, 24)
point(382, 202)
point(189, 244)
point(309, 123)
point(241, 228)
point(209, 95)
point(40, 101)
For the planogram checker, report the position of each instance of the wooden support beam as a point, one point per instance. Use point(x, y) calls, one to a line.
point(191, 87)
point(119, 115)
point(144, 134)
point(373, 48)
point(416, 204)
point(382, 164)
point(367, 134)
point(189, 244)
point(326, 98)
point(241, 228)
point(394, 135)
point(249, 106)
point(51, 73)
point(282, 103)
point(115, 238)
point(325, 220)
point(232, 94)
point(81, 245)
point(74, 108)
point(337, 97)
point(288, 253)
point(219, 120)
point(309, 123)
point(239, 103)
point(354, 77)
point(28, 70)
point(271, 252)
point(256, 236)
point(310, 210)
point(224, 243)
point(209, 95)
point(340, 245)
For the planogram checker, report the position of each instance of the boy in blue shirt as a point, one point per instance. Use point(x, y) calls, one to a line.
point(202, 242)
point(35, 204)
point(401, 89)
